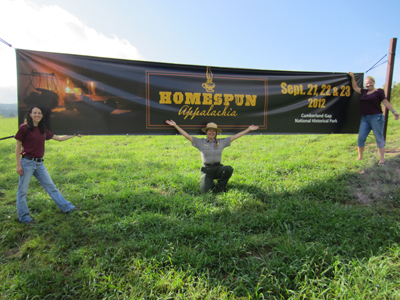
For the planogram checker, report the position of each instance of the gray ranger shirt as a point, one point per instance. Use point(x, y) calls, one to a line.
point(209, 154)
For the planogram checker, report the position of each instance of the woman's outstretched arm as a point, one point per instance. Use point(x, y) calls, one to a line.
point(354, 83)
point(181, 131)
point(242, 133)
point(65, 137)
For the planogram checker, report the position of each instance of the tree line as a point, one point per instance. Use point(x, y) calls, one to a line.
point(8, 110)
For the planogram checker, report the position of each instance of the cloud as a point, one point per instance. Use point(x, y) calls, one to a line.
point(26, 25)
point(8, 95)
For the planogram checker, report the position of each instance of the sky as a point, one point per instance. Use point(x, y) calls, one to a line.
point(309, 35)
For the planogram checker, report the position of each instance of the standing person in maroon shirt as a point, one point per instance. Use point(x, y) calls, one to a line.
point(31, 136)
point(372, 116)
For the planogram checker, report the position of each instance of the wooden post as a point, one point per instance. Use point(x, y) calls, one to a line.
point(389, 78)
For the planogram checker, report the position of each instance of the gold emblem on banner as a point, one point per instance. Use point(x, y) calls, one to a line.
point(209, 85)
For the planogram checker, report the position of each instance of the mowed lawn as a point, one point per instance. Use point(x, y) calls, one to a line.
point(301, 219)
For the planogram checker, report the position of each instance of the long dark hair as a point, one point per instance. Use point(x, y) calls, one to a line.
point(29, 121)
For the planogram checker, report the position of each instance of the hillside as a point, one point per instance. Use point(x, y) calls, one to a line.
point(8, 110)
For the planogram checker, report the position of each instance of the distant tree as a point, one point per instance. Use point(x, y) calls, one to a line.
point(395, 95)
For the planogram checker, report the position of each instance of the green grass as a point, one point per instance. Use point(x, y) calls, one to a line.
point(301, 219)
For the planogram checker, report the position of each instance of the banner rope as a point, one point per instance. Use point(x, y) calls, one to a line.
point(7, 137)
point(375, 66)
point(4, 42)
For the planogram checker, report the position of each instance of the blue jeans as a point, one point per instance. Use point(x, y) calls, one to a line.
point(38, 170)
point(374, 123)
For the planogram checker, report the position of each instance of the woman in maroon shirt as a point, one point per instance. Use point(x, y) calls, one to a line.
point(372, 116)
point(31, 136)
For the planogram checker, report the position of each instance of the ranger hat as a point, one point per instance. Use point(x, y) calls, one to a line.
point(211, 126)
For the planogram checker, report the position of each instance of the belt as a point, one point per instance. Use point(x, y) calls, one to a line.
point(33, 158)
point(212, 165)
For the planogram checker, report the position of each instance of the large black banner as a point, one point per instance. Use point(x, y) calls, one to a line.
point(93, 95)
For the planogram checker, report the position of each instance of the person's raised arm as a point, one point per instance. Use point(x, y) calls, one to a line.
point(64, 137)
point(354, 83)
point(181, 131)
point(390, 107)
point(242, 133)
point(20, 170)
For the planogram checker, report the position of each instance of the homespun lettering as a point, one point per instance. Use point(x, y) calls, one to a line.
point(207, 99)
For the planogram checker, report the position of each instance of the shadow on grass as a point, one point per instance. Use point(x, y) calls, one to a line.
point(244, 242)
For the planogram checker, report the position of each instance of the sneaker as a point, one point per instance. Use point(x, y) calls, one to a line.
point(76, 208)
point(30, 222)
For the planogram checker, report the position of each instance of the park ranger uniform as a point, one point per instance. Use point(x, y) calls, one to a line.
point(212, 168)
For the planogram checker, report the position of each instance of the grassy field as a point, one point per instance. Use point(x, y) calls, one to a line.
point(301, 219)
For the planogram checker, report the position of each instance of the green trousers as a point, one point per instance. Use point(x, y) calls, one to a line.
point(209, 174)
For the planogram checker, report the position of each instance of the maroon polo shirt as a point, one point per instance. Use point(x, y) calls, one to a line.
point(32, 141)
point(371, 104)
